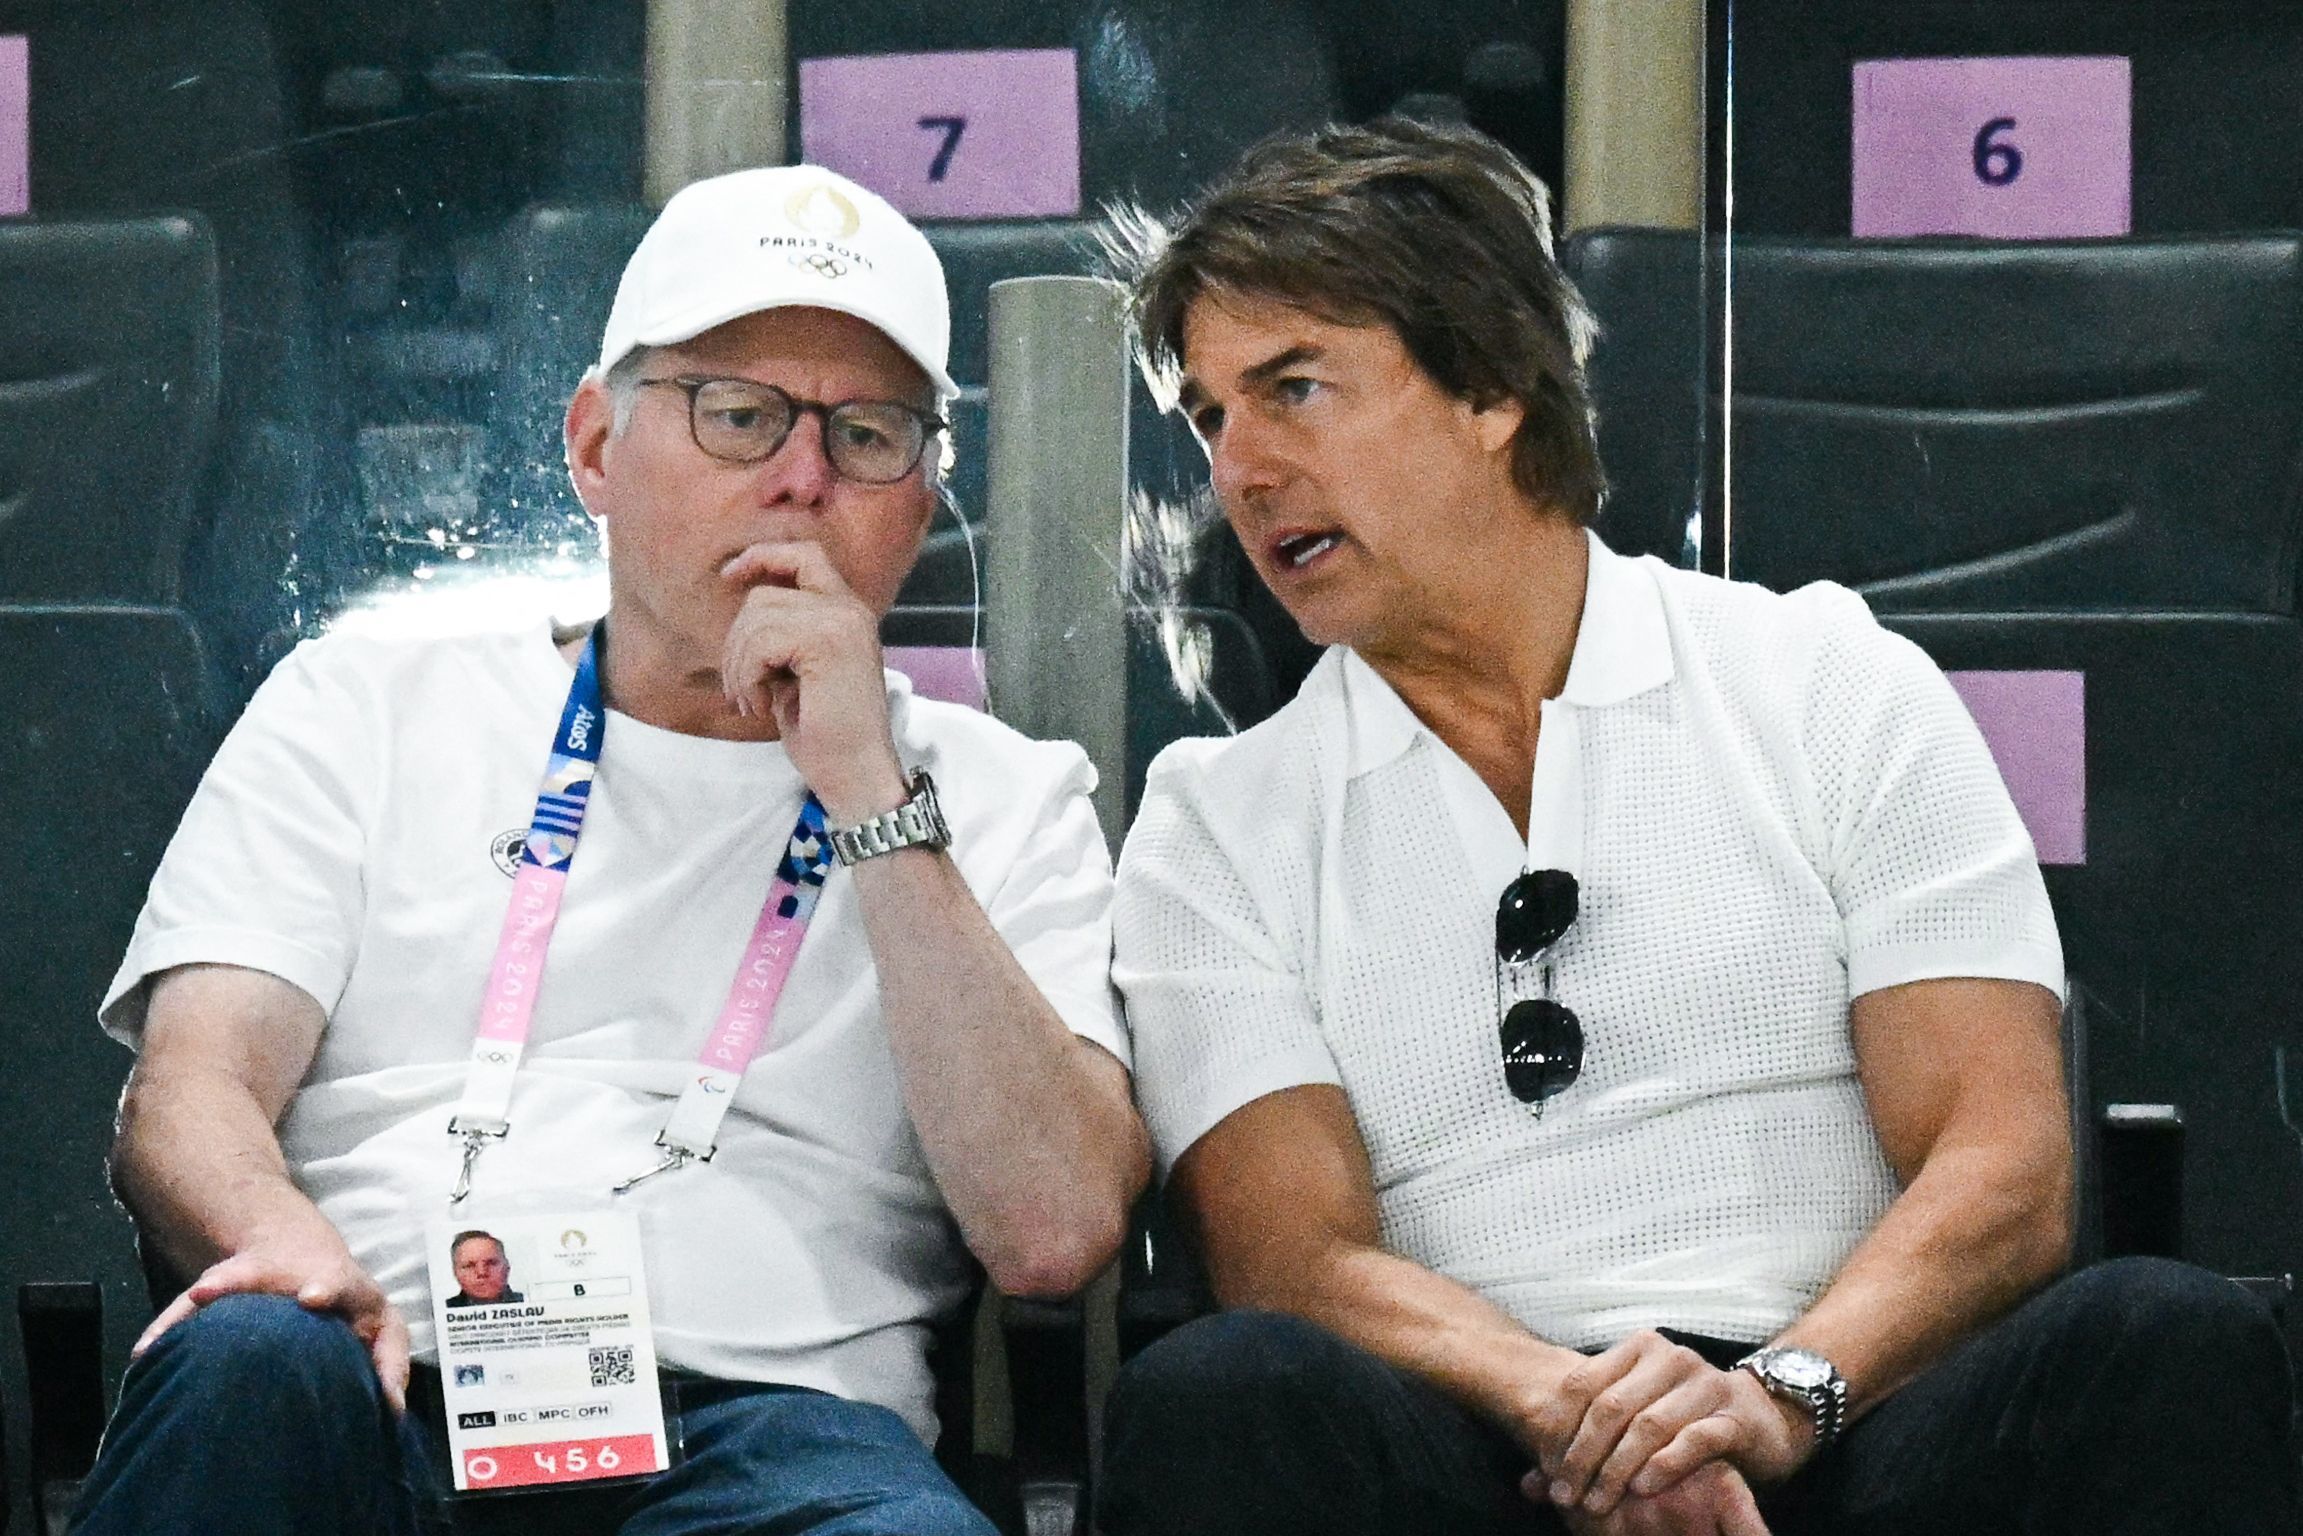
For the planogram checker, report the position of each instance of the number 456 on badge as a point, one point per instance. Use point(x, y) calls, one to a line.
point(2006, 148)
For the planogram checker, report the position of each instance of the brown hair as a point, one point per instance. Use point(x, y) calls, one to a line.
point(1435, 231)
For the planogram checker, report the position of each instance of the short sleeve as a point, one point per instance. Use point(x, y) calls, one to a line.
point(1928, 861)
point(1221, 1014)
point(1054, 910)
point(264, 869)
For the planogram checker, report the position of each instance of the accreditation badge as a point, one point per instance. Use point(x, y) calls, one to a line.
point(547, 1356)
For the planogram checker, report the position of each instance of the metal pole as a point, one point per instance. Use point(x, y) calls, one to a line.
point(1055, 633)
point(716, 73)
point(1634, 113)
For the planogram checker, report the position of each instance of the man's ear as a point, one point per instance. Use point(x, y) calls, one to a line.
point(1498, 421)
point(588, 435)
point(937, 492)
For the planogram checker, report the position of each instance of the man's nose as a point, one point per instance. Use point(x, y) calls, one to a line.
point(800, 471)
point(1242, 463)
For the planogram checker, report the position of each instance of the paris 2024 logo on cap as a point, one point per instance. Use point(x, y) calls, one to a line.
point(826, 218)
point(823, 209)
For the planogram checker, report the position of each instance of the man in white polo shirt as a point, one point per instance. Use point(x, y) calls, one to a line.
point(374, 993)
point(1604, 1030)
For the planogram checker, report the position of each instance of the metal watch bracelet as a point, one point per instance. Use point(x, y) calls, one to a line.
point(1806, 1378)
point(917, 823)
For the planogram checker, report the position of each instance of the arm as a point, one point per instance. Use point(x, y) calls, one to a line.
point(197, 1163)
point(1284, 1203)
point(1933, 873)
point(1030, 1130)
point(1963, 1077)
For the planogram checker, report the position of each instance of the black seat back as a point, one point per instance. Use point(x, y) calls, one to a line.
point(109, 699)
point(141, 109)
point(1961, 426)
point(2061, 457)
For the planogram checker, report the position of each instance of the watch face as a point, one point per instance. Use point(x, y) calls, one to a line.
point(1802, 1369)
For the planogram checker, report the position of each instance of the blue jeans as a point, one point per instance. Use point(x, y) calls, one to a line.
point(257, 1417)
point(2136, 1398)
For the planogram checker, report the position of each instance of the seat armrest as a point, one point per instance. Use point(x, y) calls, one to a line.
point(1046, 1345)
point(1162, 1284)
point(2140, 1164)
point(63, 1332)
point(2275, 1291)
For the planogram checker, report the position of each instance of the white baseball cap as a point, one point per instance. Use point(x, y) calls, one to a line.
point(774, 237)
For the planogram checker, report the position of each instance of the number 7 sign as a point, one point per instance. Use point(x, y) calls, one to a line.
point(986, 135)
point(2010, 149)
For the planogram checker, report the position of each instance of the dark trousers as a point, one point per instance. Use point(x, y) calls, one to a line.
point(258, 1418)
point(2135, 1398)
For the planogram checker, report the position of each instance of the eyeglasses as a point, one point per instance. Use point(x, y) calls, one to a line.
point(1542, 1040)
point(742, 421)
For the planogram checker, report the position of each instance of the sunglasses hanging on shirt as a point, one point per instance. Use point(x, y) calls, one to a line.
point(1542, 1040)
point(1540, 1037)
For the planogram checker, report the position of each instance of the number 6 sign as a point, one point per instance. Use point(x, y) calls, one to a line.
point(2011, 149)
point(987, 135)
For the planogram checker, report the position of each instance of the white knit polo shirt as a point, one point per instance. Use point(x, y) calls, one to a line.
point(1773, 806)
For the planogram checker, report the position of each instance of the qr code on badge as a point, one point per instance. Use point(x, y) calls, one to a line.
point(613, 1367)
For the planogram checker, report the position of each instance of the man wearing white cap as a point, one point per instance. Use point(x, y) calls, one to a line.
point(352, 1026)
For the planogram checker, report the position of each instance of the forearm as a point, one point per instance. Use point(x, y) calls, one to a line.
point(1978, 1230)
point(1038, 1154)
point(1415, 1320)
point(198, 1165)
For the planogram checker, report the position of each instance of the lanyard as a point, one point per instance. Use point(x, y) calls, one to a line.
point(508, 1007)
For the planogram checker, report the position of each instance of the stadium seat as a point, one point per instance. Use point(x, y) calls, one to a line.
point(2062, 457)
point(1965, 426)
point(110, 695)
point(62, 1322)
point(141, 108)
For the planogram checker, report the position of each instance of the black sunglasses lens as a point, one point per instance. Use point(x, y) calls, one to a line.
point(1536, 909)
point(1542, 1049)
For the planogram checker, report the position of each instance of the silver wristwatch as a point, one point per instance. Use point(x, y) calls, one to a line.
point(917, 823)
point(1806, 1378)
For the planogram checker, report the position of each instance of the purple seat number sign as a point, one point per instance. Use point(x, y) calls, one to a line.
point(2009, 149)
point(15, 125)
point(2036, 726)
point(988, 135)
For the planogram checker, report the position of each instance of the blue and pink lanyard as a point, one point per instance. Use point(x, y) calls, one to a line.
point(508, 1008)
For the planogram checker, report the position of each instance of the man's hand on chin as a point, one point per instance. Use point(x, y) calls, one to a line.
point(804, 651)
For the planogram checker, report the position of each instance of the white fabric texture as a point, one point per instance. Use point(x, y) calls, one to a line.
point(1782, 806)
point(342, 840)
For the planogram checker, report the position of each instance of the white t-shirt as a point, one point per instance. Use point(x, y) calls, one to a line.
point(353, 836)
point(1782, 806)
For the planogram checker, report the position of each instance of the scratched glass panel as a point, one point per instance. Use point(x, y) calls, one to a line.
point(267, 360)
point(287, 336)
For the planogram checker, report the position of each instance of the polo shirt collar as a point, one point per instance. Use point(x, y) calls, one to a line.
point(1622, 650)
point(1623, 646)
